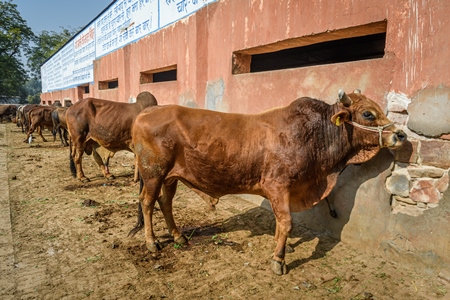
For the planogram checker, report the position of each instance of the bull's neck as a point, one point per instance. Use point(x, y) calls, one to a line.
point(342, 147)
point(333, 141)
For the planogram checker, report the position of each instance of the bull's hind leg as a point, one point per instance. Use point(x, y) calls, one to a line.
point(165, 202)
point(148, 197)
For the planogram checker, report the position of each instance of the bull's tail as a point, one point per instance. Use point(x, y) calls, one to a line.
point(140, 221)
point(73, 169)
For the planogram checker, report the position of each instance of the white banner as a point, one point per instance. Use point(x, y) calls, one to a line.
point(124, 22)
point(174, 10)
point(83, 56)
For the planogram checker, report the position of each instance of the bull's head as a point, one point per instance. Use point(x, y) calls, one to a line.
point(366, 116)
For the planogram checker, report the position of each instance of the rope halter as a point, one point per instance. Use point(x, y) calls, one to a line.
point(379, 129)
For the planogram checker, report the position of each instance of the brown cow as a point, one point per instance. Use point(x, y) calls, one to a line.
point(102, 127)
point(38, 118)
point(291, 155)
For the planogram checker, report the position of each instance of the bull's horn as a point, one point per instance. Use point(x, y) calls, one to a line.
point(357, 91)
point(344, 99)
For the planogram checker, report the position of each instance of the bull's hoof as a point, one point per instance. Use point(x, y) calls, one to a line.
point(210, 207)
point(288, 249)
point(85, 180)
point(278, 267)
point(111, 177)
point(181, 240)
point(154, 247)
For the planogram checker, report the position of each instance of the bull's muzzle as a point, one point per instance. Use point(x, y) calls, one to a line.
point(401, 135)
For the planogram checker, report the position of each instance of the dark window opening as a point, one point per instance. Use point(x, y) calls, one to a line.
point(106, 85)
point(170, 75)
point(160, 75)
point(86, 89)
point(338, 51)
point(113, 84)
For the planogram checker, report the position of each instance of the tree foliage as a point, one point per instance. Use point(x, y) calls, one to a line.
point(15, 38)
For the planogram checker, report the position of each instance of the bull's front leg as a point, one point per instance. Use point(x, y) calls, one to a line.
point(282, 231)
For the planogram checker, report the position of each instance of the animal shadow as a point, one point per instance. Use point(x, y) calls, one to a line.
point(316, 223)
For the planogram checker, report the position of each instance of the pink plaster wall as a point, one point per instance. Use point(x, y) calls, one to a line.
point(202, 45)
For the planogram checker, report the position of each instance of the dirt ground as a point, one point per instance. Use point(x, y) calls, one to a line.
point(69, 241)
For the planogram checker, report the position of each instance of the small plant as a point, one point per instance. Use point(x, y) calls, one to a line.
point(88, 293)
point(93, 259)
point(190, 236)
point(381, 275)
point(217, 240)
point(441, 290)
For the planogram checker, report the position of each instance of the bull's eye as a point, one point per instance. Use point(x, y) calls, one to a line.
point(368, 115)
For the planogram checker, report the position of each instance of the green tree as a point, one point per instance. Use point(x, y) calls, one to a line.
point(15, 38)
point(33, 89)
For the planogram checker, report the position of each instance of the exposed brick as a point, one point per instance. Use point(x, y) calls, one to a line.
point(423, 190)
point(442, 183)
point(407, 153)
point(399, 183)
point(397, 102)
point(425, 171)
point(435, 153)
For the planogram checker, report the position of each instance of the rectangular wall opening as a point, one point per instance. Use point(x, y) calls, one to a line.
point(84, 88)
point(159, 75)
point(110, 84)
point(350, 44)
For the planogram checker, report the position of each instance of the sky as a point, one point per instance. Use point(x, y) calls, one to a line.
point(51, 15)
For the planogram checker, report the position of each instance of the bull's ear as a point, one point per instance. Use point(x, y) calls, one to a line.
point(340, 118)
point(344, 99)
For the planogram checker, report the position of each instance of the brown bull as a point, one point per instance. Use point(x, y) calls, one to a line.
point(291, 155)
point(38, 118)
point(102, 127)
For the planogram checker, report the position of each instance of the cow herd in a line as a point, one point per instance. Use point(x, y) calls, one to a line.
point(290, 155)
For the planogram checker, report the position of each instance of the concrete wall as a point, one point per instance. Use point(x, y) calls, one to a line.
point(381, 206)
